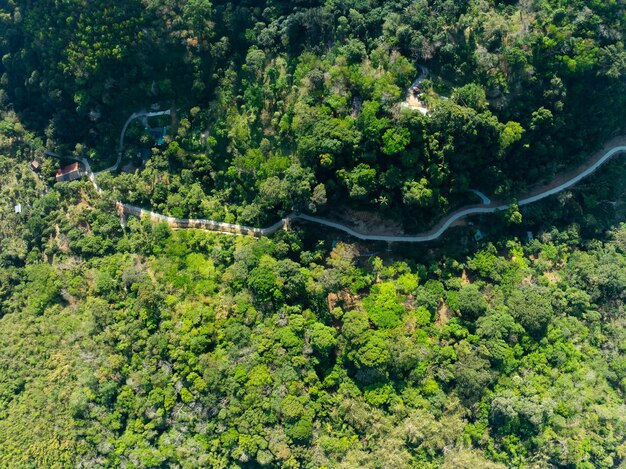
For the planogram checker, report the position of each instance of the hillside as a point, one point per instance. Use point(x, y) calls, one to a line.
point(127, 343)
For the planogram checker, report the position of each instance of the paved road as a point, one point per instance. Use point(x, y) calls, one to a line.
point(431, 235)
point(578, 177)
point(487, 206)
point(462, 213)
point(217, 226)
point(486, 200)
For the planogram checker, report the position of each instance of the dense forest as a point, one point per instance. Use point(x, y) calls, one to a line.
point(124, 343)
point(139, 346)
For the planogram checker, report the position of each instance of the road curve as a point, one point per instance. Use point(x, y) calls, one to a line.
point(434, 233)
point(486, 200)
point(493, 207)
point(120, 149)
point(134, 116)
point(431, 235)
point(581, 175)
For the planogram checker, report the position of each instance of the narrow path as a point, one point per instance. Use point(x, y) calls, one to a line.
point(421, 78)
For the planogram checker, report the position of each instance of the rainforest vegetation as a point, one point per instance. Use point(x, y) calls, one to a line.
point(140, 346)
point(124, 343)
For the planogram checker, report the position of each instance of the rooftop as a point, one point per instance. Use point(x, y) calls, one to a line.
point(67, 169)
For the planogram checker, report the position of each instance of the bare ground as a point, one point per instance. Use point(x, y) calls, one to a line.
point(367, 222)
point(443, 314)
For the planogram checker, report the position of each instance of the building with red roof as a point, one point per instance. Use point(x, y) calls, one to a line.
point(68, 173)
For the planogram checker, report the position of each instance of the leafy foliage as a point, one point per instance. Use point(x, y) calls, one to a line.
point(189, 348)
point(132, 345)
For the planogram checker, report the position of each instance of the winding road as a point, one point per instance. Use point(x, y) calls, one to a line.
point(120, 149)
point(431, 235)
point(615, 147)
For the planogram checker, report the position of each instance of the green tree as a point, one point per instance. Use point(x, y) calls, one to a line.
point(395, 141)
point(373, 353)
point(322, 338)
point(532, 306)
point(417, 193)
point(383, 305)
point(471, 301)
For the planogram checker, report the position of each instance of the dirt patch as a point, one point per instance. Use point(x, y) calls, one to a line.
point(443, 314)
point(345, 300)
point(464, 278)
point(553, 277)
point(61, 240)
point(367, 222)
point(409, 303)
point(413, 102)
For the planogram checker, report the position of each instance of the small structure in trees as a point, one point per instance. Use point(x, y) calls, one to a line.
point(159, 134)
point(35, 165)
point(68, 173)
